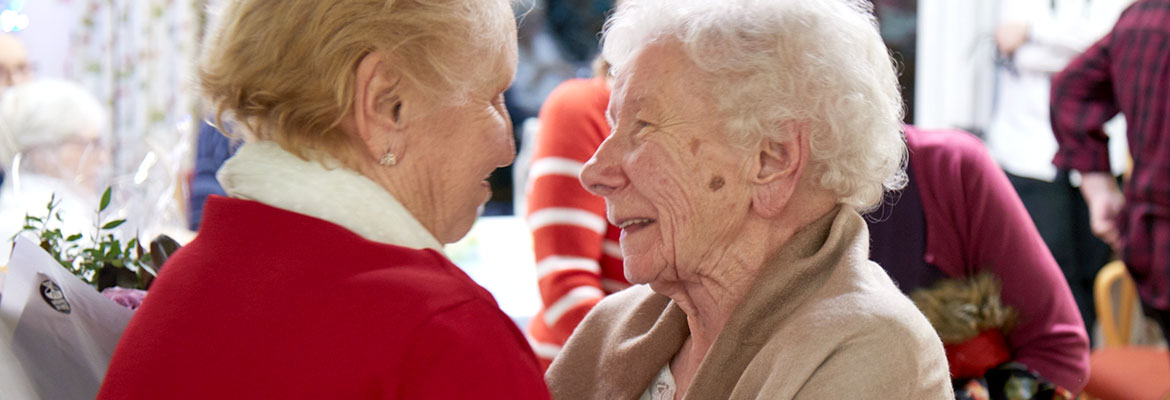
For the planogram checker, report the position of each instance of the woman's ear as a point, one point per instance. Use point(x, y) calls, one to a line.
point(778, 168)
point(377, 104)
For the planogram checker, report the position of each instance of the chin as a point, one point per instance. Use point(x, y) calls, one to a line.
point(459, 229)
point(637, 273)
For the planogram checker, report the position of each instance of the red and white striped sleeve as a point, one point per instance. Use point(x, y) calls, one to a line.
point(568, 224)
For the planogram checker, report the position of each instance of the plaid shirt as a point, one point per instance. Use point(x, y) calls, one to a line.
point(1127, 71)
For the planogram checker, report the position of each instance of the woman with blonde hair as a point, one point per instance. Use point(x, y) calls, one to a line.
point(370, 127)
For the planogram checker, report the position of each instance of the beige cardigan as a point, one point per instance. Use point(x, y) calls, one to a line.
point(821, 322)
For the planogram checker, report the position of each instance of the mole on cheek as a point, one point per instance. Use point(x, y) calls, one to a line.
point(695, 143)
point(716, 184)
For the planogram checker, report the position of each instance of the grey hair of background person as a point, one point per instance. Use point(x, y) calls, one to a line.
point(46, 112)
point(775, 61)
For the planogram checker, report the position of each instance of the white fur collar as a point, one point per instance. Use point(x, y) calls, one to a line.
point(264, 172)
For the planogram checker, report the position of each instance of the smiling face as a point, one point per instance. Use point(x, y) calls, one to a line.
point(670, 177)
point(454, 146)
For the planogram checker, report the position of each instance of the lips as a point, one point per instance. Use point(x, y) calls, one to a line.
point(634, 224)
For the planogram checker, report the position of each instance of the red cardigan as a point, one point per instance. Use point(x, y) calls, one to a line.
point(976, 222)
point(267, 303)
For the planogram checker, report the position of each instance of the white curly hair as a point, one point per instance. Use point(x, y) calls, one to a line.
point(46, 112)
point(822, 62)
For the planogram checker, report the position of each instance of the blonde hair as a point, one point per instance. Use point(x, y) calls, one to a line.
point(284, 69)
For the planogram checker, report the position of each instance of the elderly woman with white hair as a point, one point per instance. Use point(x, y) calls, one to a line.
point(748, 136)
point(50, 144)
point(369, 128)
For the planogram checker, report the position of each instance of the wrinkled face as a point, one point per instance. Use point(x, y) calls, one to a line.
point(14, 68)
point(670, 177)
point(459, 144)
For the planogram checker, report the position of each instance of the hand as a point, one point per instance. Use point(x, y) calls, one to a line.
point(1010, 36)
point(1105, 201)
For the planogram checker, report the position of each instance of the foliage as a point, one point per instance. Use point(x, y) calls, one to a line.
point(102, 262)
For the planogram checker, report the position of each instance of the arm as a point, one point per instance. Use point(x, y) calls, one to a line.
point(1105, 201)
point(213, 148)
point(567, 222)
point(470, 352)
point(1000, 237)
point(1082, 102)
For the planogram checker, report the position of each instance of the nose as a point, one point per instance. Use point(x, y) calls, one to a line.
point(507, 149)
point(603, 174)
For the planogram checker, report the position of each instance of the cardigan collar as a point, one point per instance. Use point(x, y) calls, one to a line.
point(792, 275)
point(264, 172)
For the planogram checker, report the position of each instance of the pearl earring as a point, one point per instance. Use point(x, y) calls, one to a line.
point(389, 159)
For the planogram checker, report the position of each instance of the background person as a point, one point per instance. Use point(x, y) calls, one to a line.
point(578, 259)
point(50, 144)
point(1035, 40)
point(1128, 71)
point(14, 68)
point(957, 197)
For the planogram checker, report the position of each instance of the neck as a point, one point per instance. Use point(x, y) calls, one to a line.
point(710, 296)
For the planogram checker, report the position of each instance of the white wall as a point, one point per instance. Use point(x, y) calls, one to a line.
point(47, 37)
point(955, 78)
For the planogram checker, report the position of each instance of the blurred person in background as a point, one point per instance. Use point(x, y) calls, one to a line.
point(958, 197)
point(50, 144)
point(212, 149)
point(322, 274)
point(1036, 39)
point(1128, 71)
point(14, 68)
point(578, 259)
point(747, 137)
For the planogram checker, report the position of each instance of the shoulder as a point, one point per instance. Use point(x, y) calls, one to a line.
point(944, 144)
point(950, 159)
point(864, 304)
point(577, 95)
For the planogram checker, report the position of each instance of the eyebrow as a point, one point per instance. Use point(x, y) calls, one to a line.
point(638, 103)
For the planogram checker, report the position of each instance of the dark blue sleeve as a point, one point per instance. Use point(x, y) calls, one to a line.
point(212, 150)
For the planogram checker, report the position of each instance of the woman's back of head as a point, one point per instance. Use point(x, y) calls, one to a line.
point(285, 69)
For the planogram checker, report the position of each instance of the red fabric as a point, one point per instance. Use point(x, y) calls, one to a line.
point(1130, 373)
point(266, 303)
point(972, 359)
point(1127, 71)
point(572, 127)
point(975, 222)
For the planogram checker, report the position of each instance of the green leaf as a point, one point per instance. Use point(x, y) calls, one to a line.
point(113, 224)
point(73, 238)
point(105, 200)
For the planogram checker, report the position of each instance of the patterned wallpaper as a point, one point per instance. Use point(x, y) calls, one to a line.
point(138, 56)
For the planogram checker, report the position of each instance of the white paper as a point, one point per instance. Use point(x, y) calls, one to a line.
point(57, 334)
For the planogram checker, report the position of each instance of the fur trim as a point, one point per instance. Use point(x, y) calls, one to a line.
point(264, 172)
point(961, 309)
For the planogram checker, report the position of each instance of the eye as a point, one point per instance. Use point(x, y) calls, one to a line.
point(640, 126)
